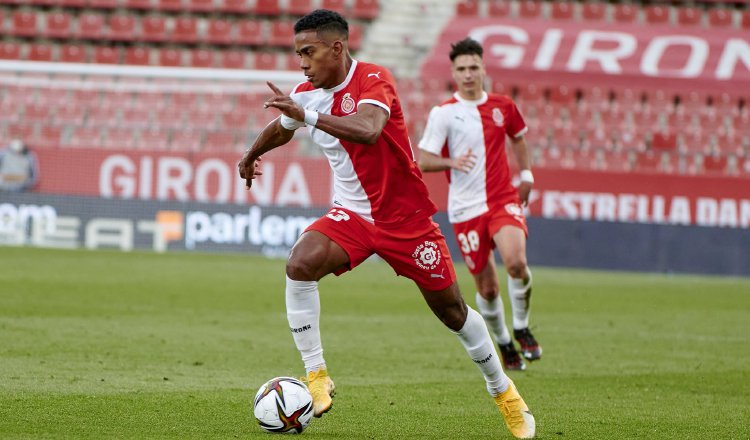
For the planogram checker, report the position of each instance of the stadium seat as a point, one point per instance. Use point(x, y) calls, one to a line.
point(118, 138)
point(220, 141)
point(299, 7)
point(153, 29)
point(72, 3)
point(355, 36)
point(562, 95)
point(530, 9)
point(84, 137)
point(233, 59)
point(107, 55)
point(745, 22)
point(10, 50)
point(90, 26)
point(49, 136)
point(21, 130)
point(185, 30)
point(170, 5)
point(595, 11)
point(103, 4)
point(657, 14)
point(153, 140)
point(625, 13)
point(185, 101)
point(498, 8)
point(137, 56)
point(219, 32)
point(664, 140)
point(334, 5)
point(266, 61)
point(250, 32)
point(24, 24)
point(73, 53)
point(236, 120)
point(185, 140)
point(170, 117)
point(714, 164)
point(36, 113)
point(136, 117)
point(170, 58)
point(121, 27)
point(291, 61)
point(201, 58)
point(267, 7)
point(467, 8)
point(103, 116)
point(235, 6)
point(719, 17)
point(58, 25)
point(562, 10)
point(138, 4)
point(647, 161)
point(40, 52)
point(282, 33)
point(617, 161)
point(200, 5)
point(689, 16)
point(365, 9)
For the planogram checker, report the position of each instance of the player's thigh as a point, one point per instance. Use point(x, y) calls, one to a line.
point(511, 243)
point(447, 304)
point(314, 256)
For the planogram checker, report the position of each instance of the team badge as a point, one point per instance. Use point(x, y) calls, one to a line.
point(347, 103)
point(427, 255)
point(497, 116)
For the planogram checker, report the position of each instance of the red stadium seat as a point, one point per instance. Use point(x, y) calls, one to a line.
point(562, 10)
point(84, 137)
point(50, 136)
point(334, 5)
point(719, 17)
point(185, 30)
point(73, 53)
point(21, 131)
point(72, 3)
point(36, 113)
point(714, 164)
point(250, 32)
point(657, 14)
point(170, 5)
point(282, 33)
point(90, 26)
point(299, 7)
point(136, 117)
point(185, 101)
point(200, 5)
point(291, 61)
point(139, 4)
point(24, 24)
point(122, 27)
point(186, 140)
point(202, 58)
point(235, 6)
point(498, 8)
point(103, 116)
point(530, 9)
point(689, 16)
point(10, 50)
point(52, 97)
point(562, 95)
point(107, 55)
point(153, 29)
point(745, 20)
point(40, 52)
point(58, 25)
point(220, 141)
point(355, 36)
point(103, 4)
point(266, 61)
point(170, 117)
point(138, 56)
point(170, 58)
point(664, 140)
point(267, 7)
point(365, 9)
point(594, 11)
point(219, 32)
point(467, 8)
point(625, 13)
point(153, 140)
point(118, 138)
point(235, 120)
point(84, 97)
point(216, 102)
point(233, 59)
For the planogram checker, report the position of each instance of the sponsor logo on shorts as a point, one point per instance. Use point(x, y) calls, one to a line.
point(427, 255)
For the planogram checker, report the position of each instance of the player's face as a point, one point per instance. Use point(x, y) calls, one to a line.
point(468, 72)
point(318, 59)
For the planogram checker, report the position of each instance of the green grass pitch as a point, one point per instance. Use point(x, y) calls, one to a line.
point(97, 345)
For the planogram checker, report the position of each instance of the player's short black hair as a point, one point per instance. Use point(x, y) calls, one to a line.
point(323, 20)
point(467, 46)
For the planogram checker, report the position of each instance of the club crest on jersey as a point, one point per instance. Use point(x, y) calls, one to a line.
point(497, 116)
point(427, 255)
point(347, 103)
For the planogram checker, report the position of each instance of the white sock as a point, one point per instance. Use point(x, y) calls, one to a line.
point(494, 315)
point(303, 314)
point(520, 300)
point(478, 344)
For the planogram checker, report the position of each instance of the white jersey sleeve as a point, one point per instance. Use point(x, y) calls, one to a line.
point(435, 133)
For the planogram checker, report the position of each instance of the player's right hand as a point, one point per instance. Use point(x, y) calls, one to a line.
point(465, 162)
point(249, 168)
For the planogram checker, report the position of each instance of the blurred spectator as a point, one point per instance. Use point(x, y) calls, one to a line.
point(19, 170)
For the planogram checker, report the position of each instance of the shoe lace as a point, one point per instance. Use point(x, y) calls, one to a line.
point(511, 412)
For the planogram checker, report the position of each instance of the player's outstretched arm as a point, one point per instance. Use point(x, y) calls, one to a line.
point(274, 135)
point(429, 162)
point(518, 144)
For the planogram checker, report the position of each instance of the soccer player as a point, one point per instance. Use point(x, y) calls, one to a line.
point(466, 135)
point(380, 205)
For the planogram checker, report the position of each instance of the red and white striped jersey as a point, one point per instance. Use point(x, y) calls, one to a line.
point(380, 182)
point(459, 125)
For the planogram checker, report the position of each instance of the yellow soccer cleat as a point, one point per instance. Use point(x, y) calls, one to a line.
point(322, 389)
point(518, 418)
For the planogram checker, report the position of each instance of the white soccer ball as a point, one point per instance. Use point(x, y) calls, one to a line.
point(283, 405)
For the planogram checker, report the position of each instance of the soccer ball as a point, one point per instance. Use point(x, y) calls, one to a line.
point(283, 405)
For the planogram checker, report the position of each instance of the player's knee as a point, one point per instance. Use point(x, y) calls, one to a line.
point(301, 269)
point(489, 291)
point(517, 268)
point(454, 316)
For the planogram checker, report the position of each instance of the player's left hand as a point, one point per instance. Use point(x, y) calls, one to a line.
point(284, 103)
point(249, 169)
point(524, 189)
